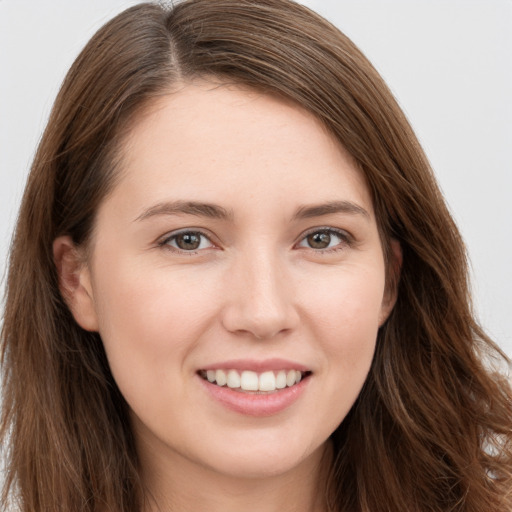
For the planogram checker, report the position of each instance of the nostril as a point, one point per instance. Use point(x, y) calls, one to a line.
point(260, 325)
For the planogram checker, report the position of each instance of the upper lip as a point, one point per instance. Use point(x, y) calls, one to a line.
point(258, 366)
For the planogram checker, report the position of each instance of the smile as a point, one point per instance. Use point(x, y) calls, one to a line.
point(250, 381)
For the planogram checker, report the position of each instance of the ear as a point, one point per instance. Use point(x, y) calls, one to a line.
point(75, 282)
point(392, 278)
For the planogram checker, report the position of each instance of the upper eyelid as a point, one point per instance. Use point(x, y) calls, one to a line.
point(324, 228)
point(342, 232)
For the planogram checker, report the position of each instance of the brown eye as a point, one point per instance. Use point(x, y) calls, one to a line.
point(328, 238)
point(188, 241)
point(319, 240)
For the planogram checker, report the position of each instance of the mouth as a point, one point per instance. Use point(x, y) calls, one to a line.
point(248, 381)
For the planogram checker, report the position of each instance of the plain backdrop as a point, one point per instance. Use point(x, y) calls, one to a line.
point(449, 63)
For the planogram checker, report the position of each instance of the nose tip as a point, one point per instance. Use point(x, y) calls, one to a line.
point(261, 325)
point(260, 304)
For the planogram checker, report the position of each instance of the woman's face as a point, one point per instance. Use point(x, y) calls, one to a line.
point(239, 244)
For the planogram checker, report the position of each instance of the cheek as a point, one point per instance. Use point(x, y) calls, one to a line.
point(341, 317)
point(150, 322)
point(344, 317)
point(152, 301)
point(346, 301)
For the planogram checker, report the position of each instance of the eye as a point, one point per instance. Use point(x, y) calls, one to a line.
point(188, 241)
point(325, 238)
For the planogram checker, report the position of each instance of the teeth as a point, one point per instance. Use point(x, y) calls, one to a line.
point(281, 379)
point(252, 381)
point(233, 379)
point(267, 381)
point(249, 381)
point(290, 378)
point(220, 377)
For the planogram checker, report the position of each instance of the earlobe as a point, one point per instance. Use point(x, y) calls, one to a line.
point(393, 277)
point(75, 282)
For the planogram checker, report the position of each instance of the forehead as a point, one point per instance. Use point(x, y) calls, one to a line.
point(206, 139)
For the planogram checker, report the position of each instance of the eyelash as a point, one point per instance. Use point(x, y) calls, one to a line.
point(346, 240)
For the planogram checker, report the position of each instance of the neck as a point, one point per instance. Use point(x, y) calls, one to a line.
point(193, 487)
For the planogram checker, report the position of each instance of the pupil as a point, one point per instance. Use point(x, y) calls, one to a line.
point(319, 240)
point(188, 241)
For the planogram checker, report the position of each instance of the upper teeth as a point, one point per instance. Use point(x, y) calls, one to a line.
point(252, 381)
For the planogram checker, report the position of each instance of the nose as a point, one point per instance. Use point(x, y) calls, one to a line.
point(259, 298)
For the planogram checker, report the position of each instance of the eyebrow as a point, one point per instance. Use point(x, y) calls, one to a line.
point(214, 211)
point(198, 209)
point(307, 212)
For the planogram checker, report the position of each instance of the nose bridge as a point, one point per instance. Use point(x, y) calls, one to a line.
point(259, 299)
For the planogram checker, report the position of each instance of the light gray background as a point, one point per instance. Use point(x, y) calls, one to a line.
point(449, 62)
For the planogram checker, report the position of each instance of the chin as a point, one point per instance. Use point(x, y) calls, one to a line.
point(263, 461)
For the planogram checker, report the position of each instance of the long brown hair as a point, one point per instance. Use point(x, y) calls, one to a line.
point(431, 429)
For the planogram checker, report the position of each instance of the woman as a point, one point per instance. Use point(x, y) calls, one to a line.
point(234, 283)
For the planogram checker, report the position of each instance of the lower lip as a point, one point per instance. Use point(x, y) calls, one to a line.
point(252, 404)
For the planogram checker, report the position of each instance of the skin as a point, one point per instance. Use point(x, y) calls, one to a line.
point(254, 289)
